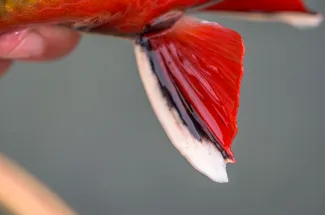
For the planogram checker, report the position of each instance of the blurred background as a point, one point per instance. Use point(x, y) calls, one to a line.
point(84, 126)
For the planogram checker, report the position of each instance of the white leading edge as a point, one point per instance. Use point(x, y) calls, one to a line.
point(295, 19)
point(203, 155)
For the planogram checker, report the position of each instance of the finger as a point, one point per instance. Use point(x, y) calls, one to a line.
point(60, 41)
point(41, 43)
point(4, 66)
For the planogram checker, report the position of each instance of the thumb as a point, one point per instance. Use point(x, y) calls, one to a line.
point(40, 43)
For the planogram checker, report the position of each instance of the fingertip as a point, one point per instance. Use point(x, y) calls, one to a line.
point(60, 41)
point(21, 44)
point(40, 43)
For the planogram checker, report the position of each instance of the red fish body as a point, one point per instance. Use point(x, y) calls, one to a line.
point(124, 17)
point(191, 69)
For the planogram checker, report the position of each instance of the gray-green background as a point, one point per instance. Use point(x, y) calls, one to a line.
point(84, 126)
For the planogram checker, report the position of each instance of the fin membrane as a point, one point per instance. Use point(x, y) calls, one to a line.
point(293, 12)
point(198, 66)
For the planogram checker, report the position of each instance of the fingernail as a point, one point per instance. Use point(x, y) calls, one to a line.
point(24, 44)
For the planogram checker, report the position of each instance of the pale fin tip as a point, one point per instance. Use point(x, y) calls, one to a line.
point(202, 155)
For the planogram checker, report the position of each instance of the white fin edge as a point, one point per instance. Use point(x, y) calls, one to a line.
point(202, 155)
point(295, 19)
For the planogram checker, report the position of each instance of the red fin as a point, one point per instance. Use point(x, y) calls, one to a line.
point(293, 12)
point(261, 5)
point(201, 67)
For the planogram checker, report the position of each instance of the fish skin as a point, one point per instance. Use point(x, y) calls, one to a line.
point(131, 16)
point(125, 17)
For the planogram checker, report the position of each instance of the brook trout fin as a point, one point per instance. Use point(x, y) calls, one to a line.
point(191, 74)
point(292, 12)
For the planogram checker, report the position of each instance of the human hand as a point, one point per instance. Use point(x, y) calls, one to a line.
point(36, 44)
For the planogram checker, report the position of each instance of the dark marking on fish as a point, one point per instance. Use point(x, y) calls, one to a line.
point(2, 7)
point(176, 100)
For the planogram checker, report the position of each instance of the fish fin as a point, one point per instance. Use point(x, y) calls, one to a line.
point(292, 12)
point(191, 74)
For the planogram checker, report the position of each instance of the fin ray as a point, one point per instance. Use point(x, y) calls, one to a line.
point(198, 66)
point(292, 12)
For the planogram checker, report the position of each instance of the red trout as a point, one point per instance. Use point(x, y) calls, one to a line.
point(191, 69)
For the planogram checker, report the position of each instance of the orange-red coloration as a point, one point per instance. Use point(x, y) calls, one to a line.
point(268, 6)
point(123, 16)
point(204, 59)
point(208, 76)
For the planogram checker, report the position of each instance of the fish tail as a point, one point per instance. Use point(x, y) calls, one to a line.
point(191, 74)
point(292, 12)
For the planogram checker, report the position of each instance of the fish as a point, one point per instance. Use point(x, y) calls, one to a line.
point(291, 12)
point(191, 69)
